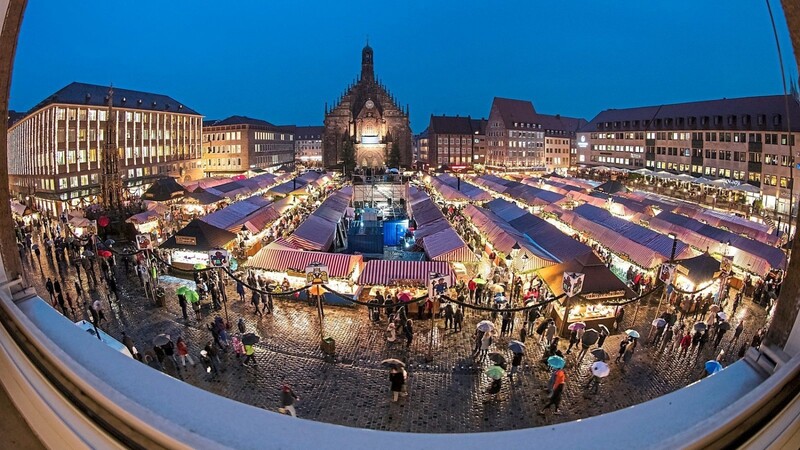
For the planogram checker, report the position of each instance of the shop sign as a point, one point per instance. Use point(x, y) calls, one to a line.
point(218, 258)
point(438, 284)
point(143, 242)
point(666, 273)
point(317, 273)
point(573, 283)
point(603, 295)
point(185, 240)
point(726, 265)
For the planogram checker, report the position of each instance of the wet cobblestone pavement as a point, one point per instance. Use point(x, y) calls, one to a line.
point(446, 394)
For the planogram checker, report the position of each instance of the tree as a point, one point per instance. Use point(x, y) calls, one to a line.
point(348, 156)
point(393, 161)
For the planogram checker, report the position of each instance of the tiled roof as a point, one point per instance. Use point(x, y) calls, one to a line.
point(450, 125)
point(239, 120)
point(560, 123)
point(515, 111)
point(724, 114)
point(308, 132)
point(95, 95)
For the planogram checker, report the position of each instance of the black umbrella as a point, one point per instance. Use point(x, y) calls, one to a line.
point(590, 337)
point(725, 326)
point(250, 339)
point(498, 359)
point(161, 339)
point(600, 354)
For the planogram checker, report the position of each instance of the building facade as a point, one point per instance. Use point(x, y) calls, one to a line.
point(368, 115)
point(237, 144)
point(514, 141)
point(560, 141)
point(455, 141)
point(742, 139)
point(55, 151)
point(421, 149)
point(308, 146)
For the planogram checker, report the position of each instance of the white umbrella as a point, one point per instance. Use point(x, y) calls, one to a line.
point(485, 325)
point(722, 315)
point(632, 333)
point(747, 188)
point(600, 369)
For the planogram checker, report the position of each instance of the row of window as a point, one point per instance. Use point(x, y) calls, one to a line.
point(745, 119)
point(224, 149)
point(226, 136)
point(708, 136)
point(130, 116)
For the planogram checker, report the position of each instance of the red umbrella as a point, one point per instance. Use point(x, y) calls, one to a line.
point(104, 253)
point(103, 221)
point(404, 296)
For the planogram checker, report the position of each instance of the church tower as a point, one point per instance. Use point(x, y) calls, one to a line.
point(367, 70)
point(368, 116)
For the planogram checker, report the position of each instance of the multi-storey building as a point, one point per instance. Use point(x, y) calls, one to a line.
point(743, 139)
point(55, 151)
point(420, 149)
point(514, 141)
point(455, 141)
point(308, 145)
point(559, 140)
point(238, 144)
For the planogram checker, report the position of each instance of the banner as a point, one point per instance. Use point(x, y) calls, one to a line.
point(726, 265)
point(438, 284)
point(218, 258)
point(573, 283)
point(143, 242)
point(317, 273)
point(666, 273)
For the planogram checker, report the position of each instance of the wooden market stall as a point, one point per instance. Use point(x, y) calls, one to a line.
point(397, 276)
point(600, 285)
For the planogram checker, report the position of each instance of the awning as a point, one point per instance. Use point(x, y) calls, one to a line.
point(164, 189)
point(199, 236)
point(383, 272)
point(315, 233)
point(599, 281)
point(143, 217)
point(447, 245)
point(339, 265)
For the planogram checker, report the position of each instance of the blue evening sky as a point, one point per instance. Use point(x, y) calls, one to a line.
point(282, 60)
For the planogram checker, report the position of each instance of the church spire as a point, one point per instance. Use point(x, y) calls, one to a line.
point(367, 70)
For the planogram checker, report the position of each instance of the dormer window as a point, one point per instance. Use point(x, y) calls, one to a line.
point(776, 120)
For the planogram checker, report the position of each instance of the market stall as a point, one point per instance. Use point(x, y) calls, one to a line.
point(393, 277)
point(164, 190)
point(600, 285)
point(277, 265)
point(189, 247)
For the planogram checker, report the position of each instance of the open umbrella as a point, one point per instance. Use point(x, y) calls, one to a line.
point(722, 315)
point(485, 325)
point(700, 326)
point(161, 339)
point(498, 359)
point(632, 333)
point(250, 339)
point(714, 308)
point(88, 253)
point(590, 337)
point(182, 290)
point(479, 280)
point(199, 266)
point(604, 328)
point(192, 296)
point(659, 322)
point(725, 326)
point(713, 367)
point(109, 242)
point(516, 347)
point(495, 372)
point(404, 296)
point(104, 253)
point(500, 299)
point(600, 354)
point(498, 289)
point(35, 246)
point(576, 326)
point(391, 362)
point(600, 369)
point(556, 362)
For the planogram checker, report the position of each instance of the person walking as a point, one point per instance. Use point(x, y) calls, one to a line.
point(720, 334)
point(738, 331)
point(288, 398)
point(249, 352)
point(184, 307)
point(669, 333)
point(619, 316)
point(183, 352)
point(628, 355)
point(486, 342)
point(78, 290)
point(550, 332)
point(516, 361)
point(397, 379)
point(448, 316)
point(409, 331)
point(559, 379)
point(622, 346)
point(169, 353)
point(49, 286)
point(240, 290)
point(255, 300)
point(131, 346)
point(685, 343)
point(458, 319)
point(241, 326)
point(391, 331)
point(97, 313)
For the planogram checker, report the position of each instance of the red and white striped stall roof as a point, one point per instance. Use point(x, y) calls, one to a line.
point(384, 272)
point(339, 265)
